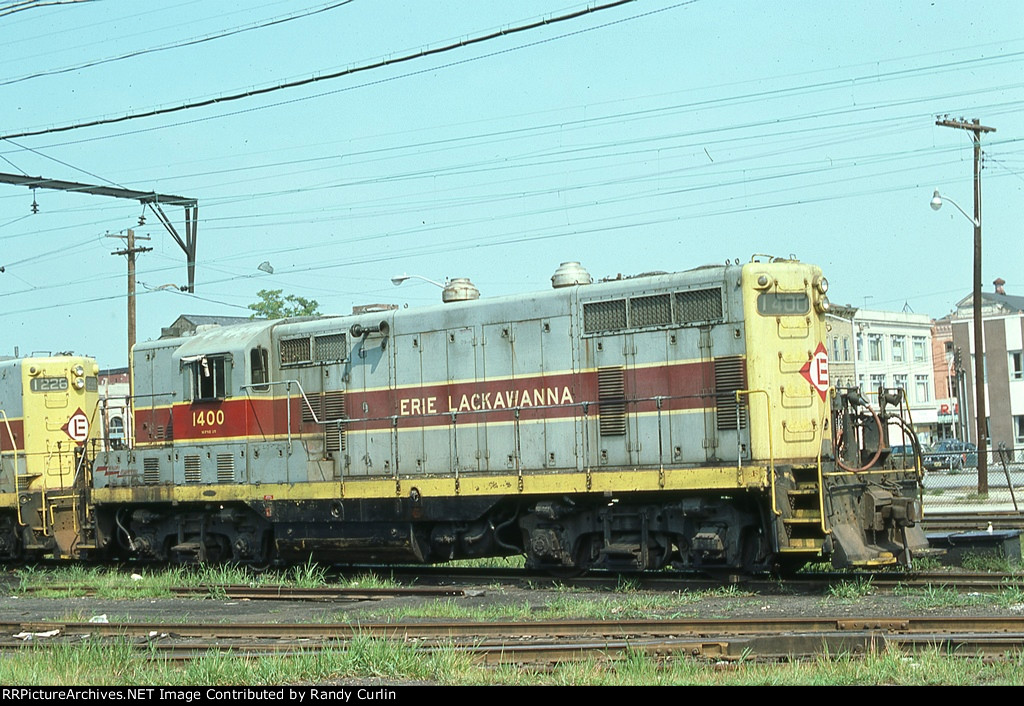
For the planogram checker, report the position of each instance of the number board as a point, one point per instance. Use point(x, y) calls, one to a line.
point(48, 384)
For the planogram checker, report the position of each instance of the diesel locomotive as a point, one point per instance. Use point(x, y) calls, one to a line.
point(48, 407)
point(661, 420)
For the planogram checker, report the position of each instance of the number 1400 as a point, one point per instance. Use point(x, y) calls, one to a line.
point(208, 418)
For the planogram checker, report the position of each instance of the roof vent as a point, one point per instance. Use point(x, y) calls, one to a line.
point(459, 289)
point(570, 274)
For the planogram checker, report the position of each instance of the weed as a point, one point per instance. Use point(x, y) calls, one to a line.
point(308, 575)
point(991, 562)
point(851, 590)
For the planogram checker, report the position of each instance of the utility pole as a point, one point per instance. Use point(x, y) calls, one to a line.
point(976, 129)
point(130, 251)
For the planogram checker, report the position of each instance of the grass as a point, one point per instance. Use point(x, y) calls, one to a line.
point(993, 563)
point(118, 662)
point(851, 590)
point(75, 581)
point(618, 605)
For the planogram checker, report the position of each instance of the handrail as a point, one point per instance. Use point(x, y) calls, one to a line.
point(821, 475)
point(10, 435)
point(771, 442)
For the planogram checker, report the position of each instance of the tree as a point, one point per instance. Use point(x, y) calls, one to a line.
point(273, 306)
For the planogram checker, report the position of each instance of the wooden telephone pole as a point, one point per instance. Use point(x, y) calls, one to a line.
point(130, 250)
point(976, 128)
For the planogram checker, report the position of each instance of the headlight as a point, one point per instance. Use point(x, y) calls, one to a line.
point(79, 383)
point(762, 281)
point(821, 284)
point(822, 304)
point(78, 370)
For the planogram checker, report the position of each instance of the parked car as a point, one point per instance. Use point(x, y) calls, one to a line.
point(951, 455)
point(902, 455)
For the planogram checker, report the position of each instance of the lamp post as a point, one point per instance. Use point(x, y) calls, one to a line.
point(398, 279)
point(979, 343)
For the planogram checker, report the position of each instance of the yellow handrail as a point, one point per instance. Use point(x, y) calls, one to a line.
point(771, 442)
point(821, 476)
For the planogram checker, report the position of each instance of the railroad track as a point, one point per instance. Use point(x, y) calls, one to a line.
point(553, 642)
point(970, 521)
point(810, 583)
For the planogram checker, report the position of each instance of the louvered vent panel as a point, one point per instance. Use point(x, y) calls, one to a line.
point(193, 469)
point(699, 306)
point(611, 393)
point(150, 471)
point(730, 376)
point(330, 347)
point(316, 414)
point(604, 316)
point(334, 409)
point(295, 350)
point(225, 468)
point(650, 311)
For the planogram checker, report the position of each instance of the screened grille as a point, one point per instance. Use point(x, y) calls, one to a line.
point(730, 376)
point(225, 468)
point(334, 410)
point(316, 402)
point(92, 384)
point(650, 311)
point(330, 347)
point(699, 306)
point(150, 471)
point(604, 316)
point(295, 350)
point(611, 394)
point(193, 469)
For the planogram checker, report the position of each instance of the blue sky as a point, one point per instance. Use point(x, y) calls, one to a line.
point(655, 135)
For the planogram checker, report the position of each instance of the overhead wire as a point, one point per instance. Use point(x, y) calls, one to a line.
point(390, 61)
point(177, 45)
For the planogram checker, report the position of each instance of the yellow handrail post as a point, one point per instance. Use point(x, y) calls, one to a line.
point(771, 442)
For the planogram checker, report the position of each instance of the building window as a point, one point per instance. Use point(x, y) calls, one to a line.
point(860, 346)
point(902, 382)
point(899, 344)
point(1017, 365)
point(1018, 428)
point(877, 381)
point(920, 351)
point(875, 347)
point(846, 347)
point(835, 348)
point(921, 387)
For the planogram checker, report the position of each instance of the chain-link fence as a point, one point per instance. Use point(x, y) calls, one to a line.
point(951, 478)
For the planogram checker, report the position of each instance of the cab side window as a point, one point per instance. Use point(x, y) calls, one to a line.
point(259, 367)
point(208, 377)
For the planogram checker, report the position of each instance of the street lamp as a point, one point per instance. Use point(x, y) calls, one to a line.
point(979, 343)
point(398, 279)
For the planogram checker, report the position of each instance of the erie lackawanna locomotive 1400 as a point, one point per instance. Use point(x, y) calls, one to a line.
point(668, 419)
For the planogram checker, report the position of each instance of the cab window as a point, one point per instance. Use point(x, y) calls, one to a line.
point(207, 377)
point(259, 369)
